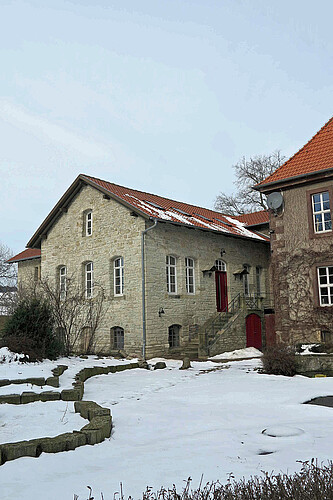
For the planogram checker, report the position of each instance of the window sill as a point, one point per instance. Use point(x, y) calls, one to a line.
point(118, 297)
point(173, 296)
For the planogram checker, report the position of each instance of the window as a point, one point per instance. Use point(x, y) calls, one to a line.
point(171, 274)
point(37, 273)
point(325, 336)
point(325, 285)
point(246, 280)
point(220, 265)
point(189, 272)
point(89, 279)
point(62, 282)
point(118, 276)
point(174, 335)
point(321, 212)
point(88, 223)
point(258, 279)
point(117, 337)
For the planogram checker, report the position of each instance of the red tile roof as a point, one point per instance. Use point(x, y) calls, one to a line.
point(29, 253)
point(182, 213)
point(261, 217)
point(316, 155)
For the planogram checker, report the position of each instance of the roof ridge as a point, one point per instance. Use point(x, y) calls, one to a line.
point(265, 181)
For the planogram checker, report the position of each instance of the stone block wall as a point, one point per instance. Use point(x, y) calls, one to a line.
point(295, 258)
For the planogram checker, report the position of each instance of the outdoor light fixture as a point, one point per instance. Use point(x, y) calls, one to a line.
point(161, 311)
point(222, 252)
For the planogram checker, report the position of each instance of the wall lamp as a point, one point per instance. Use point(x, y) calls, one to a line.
point(161, 311)
point(222, 252)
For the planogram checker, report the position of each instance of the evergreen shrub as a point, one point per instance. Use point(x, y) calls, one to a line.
point(31, 330)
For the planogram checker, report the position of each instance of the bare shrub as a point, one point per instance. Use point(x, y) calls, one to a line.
point(279, 360)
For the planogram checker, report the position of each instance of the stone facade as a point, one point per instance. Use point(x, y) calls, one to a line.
point(296, 254)
point(116, 232)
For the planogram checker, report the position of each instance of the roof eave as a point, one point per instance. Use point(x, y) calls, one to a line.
point(20, 260)
point(300, 179)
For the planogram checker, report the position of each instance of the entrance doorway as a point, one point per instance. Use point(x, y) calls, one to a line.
point(221, 291)
point(253, 331)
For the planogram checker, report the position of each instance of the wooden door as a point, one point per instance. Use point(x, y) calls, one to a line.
point(221, 291)
point(253, 331)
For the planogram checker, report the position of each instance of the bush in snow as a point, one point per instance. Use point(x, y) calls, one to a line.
point(279, 360)
point(311, 483)
point(30, 330)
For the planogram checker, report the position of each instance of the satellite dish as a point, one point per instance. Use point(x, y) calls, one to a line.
point(274, 200)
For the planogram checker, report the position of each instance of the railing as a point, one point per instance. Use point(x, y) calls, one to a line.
point(222, 320)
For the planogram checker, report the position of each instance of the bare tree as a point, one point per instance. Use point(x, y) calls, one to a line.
point(76, 317)
point(248, 173)
point(8, 280)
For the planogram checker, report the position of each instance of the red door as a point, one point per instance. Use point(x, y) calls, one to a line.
point(253, 331)
point(221, 291)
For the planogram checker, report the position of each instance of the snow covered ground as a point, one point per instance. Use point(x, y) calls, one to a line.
point(171, 424)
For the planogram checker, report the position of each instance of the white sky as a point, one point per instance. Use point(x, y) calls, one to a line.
point(159, 95)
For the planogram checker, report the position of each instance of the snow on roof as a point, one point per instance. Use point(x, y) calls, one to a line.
point(178, 212)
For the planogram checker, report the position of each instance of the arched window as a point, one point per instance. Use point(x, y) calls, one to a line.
point(174, 331)
point(62, 282)
point(89, 279)
point(118, 276)
point(189, 275)
point(171, 277)
point(220, 265)
point(117, 337)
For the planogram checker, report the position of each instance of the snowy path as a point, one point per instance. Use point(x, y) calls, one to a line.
point(171, 424)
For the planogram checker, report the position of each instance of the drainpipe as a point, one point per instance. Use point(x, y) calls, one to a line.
point(144, 287)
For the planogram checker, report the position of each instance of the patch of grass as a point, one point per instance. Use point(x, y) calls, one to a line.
point(313, 482)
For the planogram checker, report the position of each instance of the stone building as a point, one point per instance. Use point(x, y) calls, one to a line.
point(177, 278)
point(302, 241)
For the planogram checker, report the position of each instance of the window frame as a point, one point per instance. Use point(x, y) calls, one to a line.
point(89, 290)
point(116, 333)
point(310, 193)
point(218, 266)
point(62, 282)
point(169, 267)
point(188, 269)
point(119, 277)
point(325, 285)
point(246, 281)
point(88, 222)
point(172, 335)
point(258, 281)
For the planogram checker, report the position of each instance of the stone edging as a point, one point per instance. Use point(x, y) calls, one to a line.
point(100, 419)
point(40, 381)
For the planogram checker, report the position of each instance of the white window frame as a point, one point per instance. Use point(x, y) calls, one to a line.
point(190, 275)
point(171, 274)
point(319, 211)
point(220, 265)
point(118, 276)
point(89, 223)
point(324, 281)
point(62, 282)
point(89, 279)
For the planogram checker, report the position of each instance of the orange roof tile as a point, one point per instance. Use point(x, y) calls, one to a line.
point(29, 253)
point(261, 217)
point(315, 156)
point(170, 210)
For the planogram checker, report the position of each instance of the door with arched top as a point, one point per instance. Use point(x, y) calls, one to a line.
point(253, 331)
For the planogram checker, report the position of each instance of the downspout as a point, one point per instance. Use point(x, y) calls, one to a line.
point(144, 287)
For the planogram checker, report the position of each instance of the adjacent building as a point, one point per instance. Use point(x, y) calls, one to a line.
point(302, 241)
